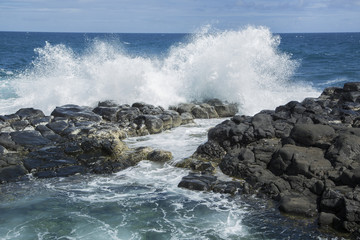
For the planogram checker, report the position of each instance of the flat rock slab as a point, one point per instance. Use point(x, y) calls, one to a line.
point(12, 173)
point(298, 205)
point(198, 182)
point(29, 138)
point(75, 111)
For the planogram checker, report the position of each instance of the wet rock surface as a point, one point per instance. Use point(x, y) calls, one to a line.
point(80, 139)
point(305, 155)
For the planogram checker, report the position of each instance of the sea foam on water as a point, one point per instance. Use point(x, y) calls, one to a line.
point(243, 66)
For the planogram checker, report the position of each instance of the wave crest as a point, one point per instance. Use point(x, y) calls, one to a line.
point(244, 66)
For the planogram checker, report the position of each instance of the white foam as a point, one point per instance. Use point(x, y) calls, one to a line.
point(242, 66)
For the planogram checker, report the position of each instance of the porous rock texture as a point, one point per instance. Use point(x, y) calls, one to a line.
point(79, 139)
point(305, 155)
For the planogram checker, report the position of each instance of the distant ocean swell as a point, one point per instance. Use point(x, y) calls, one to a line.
point(244, 66)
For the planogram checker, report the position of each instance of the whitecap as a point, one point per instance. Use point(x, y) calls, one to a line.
point(244, 66)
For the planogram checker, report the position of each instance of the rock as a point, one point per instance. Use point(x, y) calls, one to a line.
point(150, 110)
point(294, 160)
point(327, 219)
point(21, 125)
point(70, 170)
point(185, 108)
point(58, 126)
point(186, 118)
point(263, 126)
point(246, 155)
point(40, 121)
point(47, 159)
point(62, 172)
point(351, 86)
point(76, 112)
point(225, 131)
point(210, 110)
point(313, 135)
point(226, 187)
point(211, 151)
point(264, 149)
point(223, 109)
point(12, 173)
point(108, 103)
point(282, 128)
point(107, 113)
point(29, 138)
point(227, 110)
point(153, 124)
point(199, 112)
point(304, 154)
point(345, 150)
point(331, 201)
point(351, 96)
point(317, 187)
point(128, 115)
point(298, 205)
point(197, 182)
point(197, 165)
point(167, 121)
point(9, 118)
point(214, 102)
point(159, 156)
point(30, 113)
point(176, 119)
point(48, 133)
point(6, 141)
point(3, 150)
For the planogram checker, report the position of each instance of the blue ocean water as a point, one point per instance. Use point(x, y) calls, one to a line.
point(45, 70)
point(252, 66)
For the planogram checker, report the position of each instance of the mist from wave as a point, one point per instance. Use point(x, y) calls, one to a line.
point(244, 66)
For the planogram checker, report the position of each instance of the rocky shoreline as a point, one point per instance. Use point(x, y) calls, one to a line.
point(306, 156)
point(80, 140)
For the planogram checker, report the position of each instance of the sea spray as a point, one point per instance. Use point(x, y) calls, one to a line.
point(242, 66)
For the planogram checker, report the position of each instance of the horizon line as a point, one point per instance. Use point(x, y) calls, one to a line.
point(81, 32)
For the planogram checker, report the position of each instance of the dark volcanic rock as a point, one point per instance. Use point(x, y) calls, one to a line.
point(223, 109)
point(107, 113)
point(263, 126)
point(305, 155)
point(29, 138)
point(206, 182)
point(76, 112)
point(313, 135)
point(294, 160)
point(298, 205)
point(12, 173)
point(159, 156)
point(128, 114)
point(199, 112)
point(30, 113)
point(78, 140)
point(198, 182)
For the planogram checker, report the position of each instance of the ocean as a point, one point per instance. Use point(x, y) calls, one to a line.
point(252, 66)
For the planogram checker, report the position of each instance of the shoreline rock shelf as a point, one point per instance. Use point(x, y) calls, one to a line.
point(79, 140)
point(304, 155)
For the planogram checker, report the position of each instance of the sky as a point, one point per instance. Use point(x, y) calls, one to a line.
point(178, 16)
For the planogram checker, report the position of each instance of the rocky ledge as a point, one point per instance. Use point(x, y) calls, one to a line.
point(304, 155)
point(79, 140)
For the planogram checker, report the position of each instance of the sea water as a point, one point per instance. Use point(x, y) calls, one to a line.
point(252, 66)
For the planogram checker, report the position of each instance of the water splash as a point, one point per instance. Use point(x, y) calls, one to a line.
point(242, 66)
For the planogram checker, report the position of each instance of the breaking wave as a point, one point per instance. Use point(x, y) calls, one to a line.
point(244, 66)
